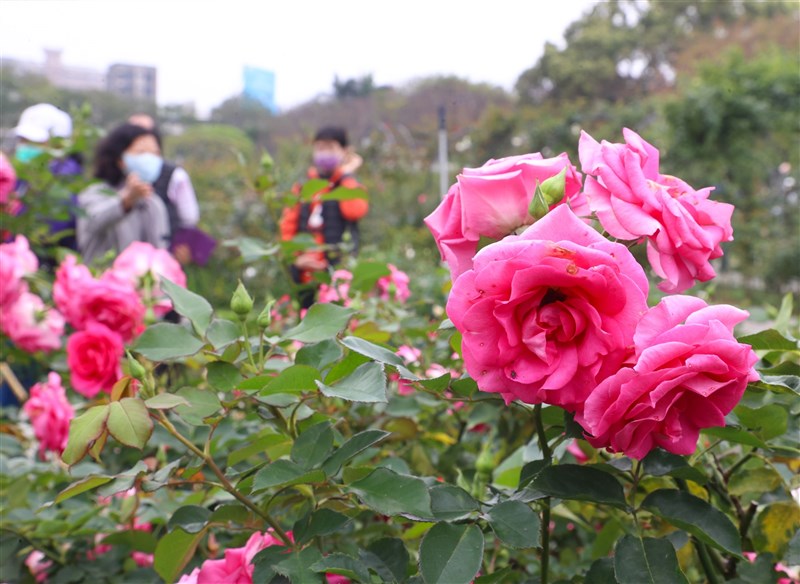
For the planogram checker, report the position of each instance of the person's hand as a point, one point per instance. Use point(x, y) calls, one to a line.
point(134, 189)
point(351, 162)
point(182, 253)
point(311, 262)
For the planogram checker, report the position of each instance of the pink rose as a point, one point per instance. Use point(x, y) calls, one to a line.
point(16, 261)
point(492, 201)
point(50, 413)
point(689, 373)
point(545, 315)
point(338, 290)
point(72, 279)
point(38, 564)
point(8, 180)
point(140, 259)
point(410, 355)
point(394, 285)
point(633, 200)
point(93, 356)
point(190, 578)
point(236, 567)
point(30, 325)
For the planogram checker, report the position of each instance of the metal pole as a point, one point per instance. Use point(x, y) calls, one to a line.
point(444, 181)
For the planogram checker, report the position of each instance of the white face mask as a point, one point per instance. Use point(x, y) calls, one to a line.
point(146, 166)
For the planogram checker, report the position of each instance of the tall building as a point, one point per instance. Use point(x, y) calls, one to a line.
point(132, 81)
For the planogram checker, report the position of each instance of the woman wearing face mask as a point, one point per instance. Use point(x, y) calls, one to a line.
point(330, 222)
point(122, 208)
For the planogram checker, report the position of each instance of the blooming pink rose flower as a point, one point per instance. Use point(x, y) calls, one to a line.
point(689, 373)
point(545, 315)
point(32, 326)
point(190, 578)
point(139, 259)
point(492, 201)
point(236, 567)
point(409, 354)
point(38, 564)
point(94, 356)
point(633, 200)
point(72, 279)
point(16, 261)
point(8, 180)
point(50, 413)
point(338, 290)
point(394, 285)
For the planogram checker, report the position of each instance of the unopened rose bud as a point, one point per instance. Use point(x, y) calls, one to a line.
point(538, 207)
point(137, 369)
point(241, 302)
point(265, 317)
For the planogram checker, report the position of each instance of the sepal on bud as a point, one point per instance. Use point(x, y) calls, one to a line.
point(241, 302)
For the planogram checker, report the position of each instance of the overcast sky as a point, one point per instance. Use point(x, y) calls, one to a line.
point(200, 47)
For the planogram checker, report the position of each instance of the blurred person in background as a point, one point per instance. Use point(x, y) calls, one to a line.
point(44, 131)
point(174, 187)
point(122, 207)
point(330, 222)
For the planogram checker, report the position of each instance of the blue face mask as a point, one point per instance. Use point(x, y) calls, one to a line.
point(146, 166)
point(27, 152)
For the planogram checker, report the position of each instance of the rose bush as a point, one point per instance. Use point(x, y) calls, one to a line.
point(254, 442)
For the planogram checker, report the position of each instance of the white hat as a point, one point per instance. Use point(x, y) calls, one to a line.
point(43, 121)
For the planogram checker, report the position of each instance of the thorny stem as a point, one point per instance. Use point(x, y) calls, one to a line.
point(545, 524)
point(226, 484)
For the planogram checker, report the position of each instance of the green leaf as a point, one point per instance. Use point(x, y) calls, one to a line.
point(322, 321)
point(779, 383)
point(81, 486)
point(372, 351)
point(451, 554)
point(321, 522)
point(515, 524)
point(165, 401)
point(659, 462)
point(136, 539)
point(319, 355)
point(769, 340)
point(124, 480)
point(282, 473)
point(450, 503)
point(775, 526)
point(222, 333)
point(356, 444)
point(311, 187)
point(388, 557)
point(366, 274)
point(766, 422)
point(601, 572)
point(223, 376)
point(581, 483)
point(313, 446)
point(646, 561)
point(231, 513)
point(293, 379)
point(266, 560)
point(174, 551)
point(737, 435)
point(83, 431)
point(344, 194)
point(756, 481)
point(202, 404)
point(190, 518)
point(129, 422)
point(366, 384)
point(297, 567)
point(390, 493)
point(695, 516)
point(343, 565)
point(188, 304)
point(252, 249)
point(164, 341)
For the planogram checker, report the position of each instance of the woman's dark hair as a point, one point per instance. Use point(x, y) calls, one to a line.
point(109, 152)
point(333, 133)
